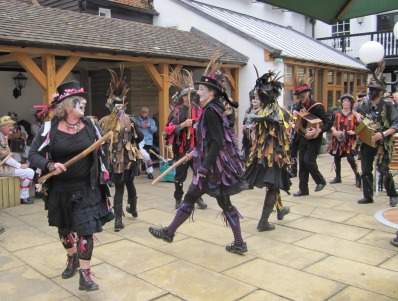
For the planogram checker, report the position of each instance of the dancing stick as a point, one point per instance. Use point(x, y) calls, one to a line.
point(178, 163)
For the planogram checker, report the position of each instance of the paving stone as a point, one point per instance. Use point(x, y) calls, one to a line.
point(192, 282)
point(364, 276)
point(24, 283)
point(283, 253)
point(355, 294)
point(283, 281)
point(329, 228)
point(332, 215)
point(346, 249)
point(205, 254)
point(8, 260)
point(391, 264)
point(114, 284)
point(262, 295)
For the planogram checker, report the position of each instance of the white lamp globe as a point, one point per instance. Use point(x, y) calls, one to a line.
point(371, 52)
point(395, 30)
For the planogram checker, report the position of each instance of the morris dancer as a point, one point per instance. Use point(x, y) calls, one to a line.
point(269, 157)
point(217, 165)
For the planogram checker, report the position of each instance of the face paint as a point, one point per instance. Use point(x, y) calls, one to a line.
point(79, 106)
point(373, 94)
point(256, 102)
point(204, 95)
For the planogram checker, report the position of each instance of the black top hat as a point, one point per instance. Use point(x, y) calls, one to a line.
point(69, 89)
point(212, 84)
point(218, 86)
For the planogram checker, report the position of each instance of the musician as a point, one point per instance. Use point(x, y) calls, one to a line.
point(385, 114)
point(125, 157)
point(75, 203)
point(178, 125)
point(309, 145)
point(344, 138)
point(19, 138)
point(11, 166)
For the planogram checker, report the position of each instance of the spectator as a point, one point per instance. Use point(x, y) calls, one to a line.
point(12, 167)
point(18, 140)
point(148, 127)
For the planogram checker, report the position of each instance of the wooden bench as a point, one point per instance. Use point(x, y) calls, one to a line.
point(394, 157)
point(9, 192)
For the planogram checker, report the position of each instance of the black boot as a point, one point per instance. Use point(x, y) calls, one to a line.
point(85, 282)
point(132, 206)
point(201, 204)
point(118, 219)
point(263, 224)
point(72, 264)
point(358, 182)
point(335, 180)
point(178, 203)
point(281, 210)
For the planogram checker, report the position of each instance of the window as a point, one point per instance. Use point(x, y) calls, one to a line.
point(104, 12)
point(339, 29)
point(288, 74)
point(387, 21)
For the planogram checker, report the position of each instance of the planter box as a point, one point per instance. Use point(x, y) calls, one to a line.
point(9, 192)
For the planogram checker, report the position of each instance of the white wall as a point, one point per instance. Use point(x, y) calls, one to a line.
point(32, 95)
point(172, 14)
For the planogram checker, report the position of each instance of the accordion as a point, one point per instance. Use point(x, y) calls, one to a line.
point(366, 130)
point(306, 120)
point(16, 145)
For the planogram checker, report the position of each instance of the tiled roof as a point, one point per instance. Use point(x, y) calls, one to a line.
point(135, 3)
point(271, 36)
point(44, 27)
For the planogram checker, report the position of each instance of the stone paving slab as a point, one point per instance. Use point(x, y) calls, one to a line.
point(364, 276)
point(282, 253)
point(284, 281)
point(24, 283)
point(205, 254)
point(355, 294)
point(346, 249)
point(192, 282)
point(114, 284)
point(328, 248)
point(329, 228)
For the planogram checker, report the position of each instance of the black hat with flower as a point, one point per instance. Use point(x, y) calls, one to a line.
point(214, 79)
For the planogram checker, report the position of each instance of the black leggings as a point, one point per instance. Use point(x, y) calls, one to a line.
point(119, 191)
point(350, 160)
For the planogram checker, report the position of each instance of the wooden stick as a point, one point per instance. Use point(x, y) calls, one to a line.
point(5, 159)
point(178, 163)
point(80, 156)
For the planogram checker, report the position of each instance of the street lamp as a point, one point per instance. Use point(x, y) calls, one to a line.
point(371, 53)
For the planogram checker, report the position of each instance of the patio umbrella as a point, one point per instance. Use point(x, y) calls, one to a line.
point(332, 11)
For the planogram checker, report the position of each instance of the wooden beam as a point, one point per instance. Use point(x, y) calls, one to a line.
point(155, 75)
point(163, 101)
point(31, 67)
point(109, 56)
point(66, 68)
point(49, 67)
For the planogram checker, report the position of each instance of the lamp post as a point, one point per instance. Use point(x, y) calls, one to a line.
point(371, 53)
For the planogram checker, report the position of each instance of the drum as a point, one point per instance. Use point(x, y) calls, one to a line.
point(16, 145)
point(366, 130)
point(306, 120)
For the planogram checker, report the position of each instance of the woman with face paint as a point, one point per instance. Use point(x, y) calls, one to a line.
point(218, 169)
point(74, 199)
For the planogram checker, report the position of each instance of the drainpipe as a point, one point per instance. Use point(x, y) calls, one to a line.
point(313, 21)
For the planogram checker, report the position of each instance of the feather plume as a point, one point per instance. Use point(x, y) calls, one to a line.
point(305, 80)
point(181, 80)
point(117, 87)
point(214, 64)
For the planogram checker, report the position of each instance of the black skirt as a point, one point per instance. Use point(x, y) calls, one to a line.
point(83, 211)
